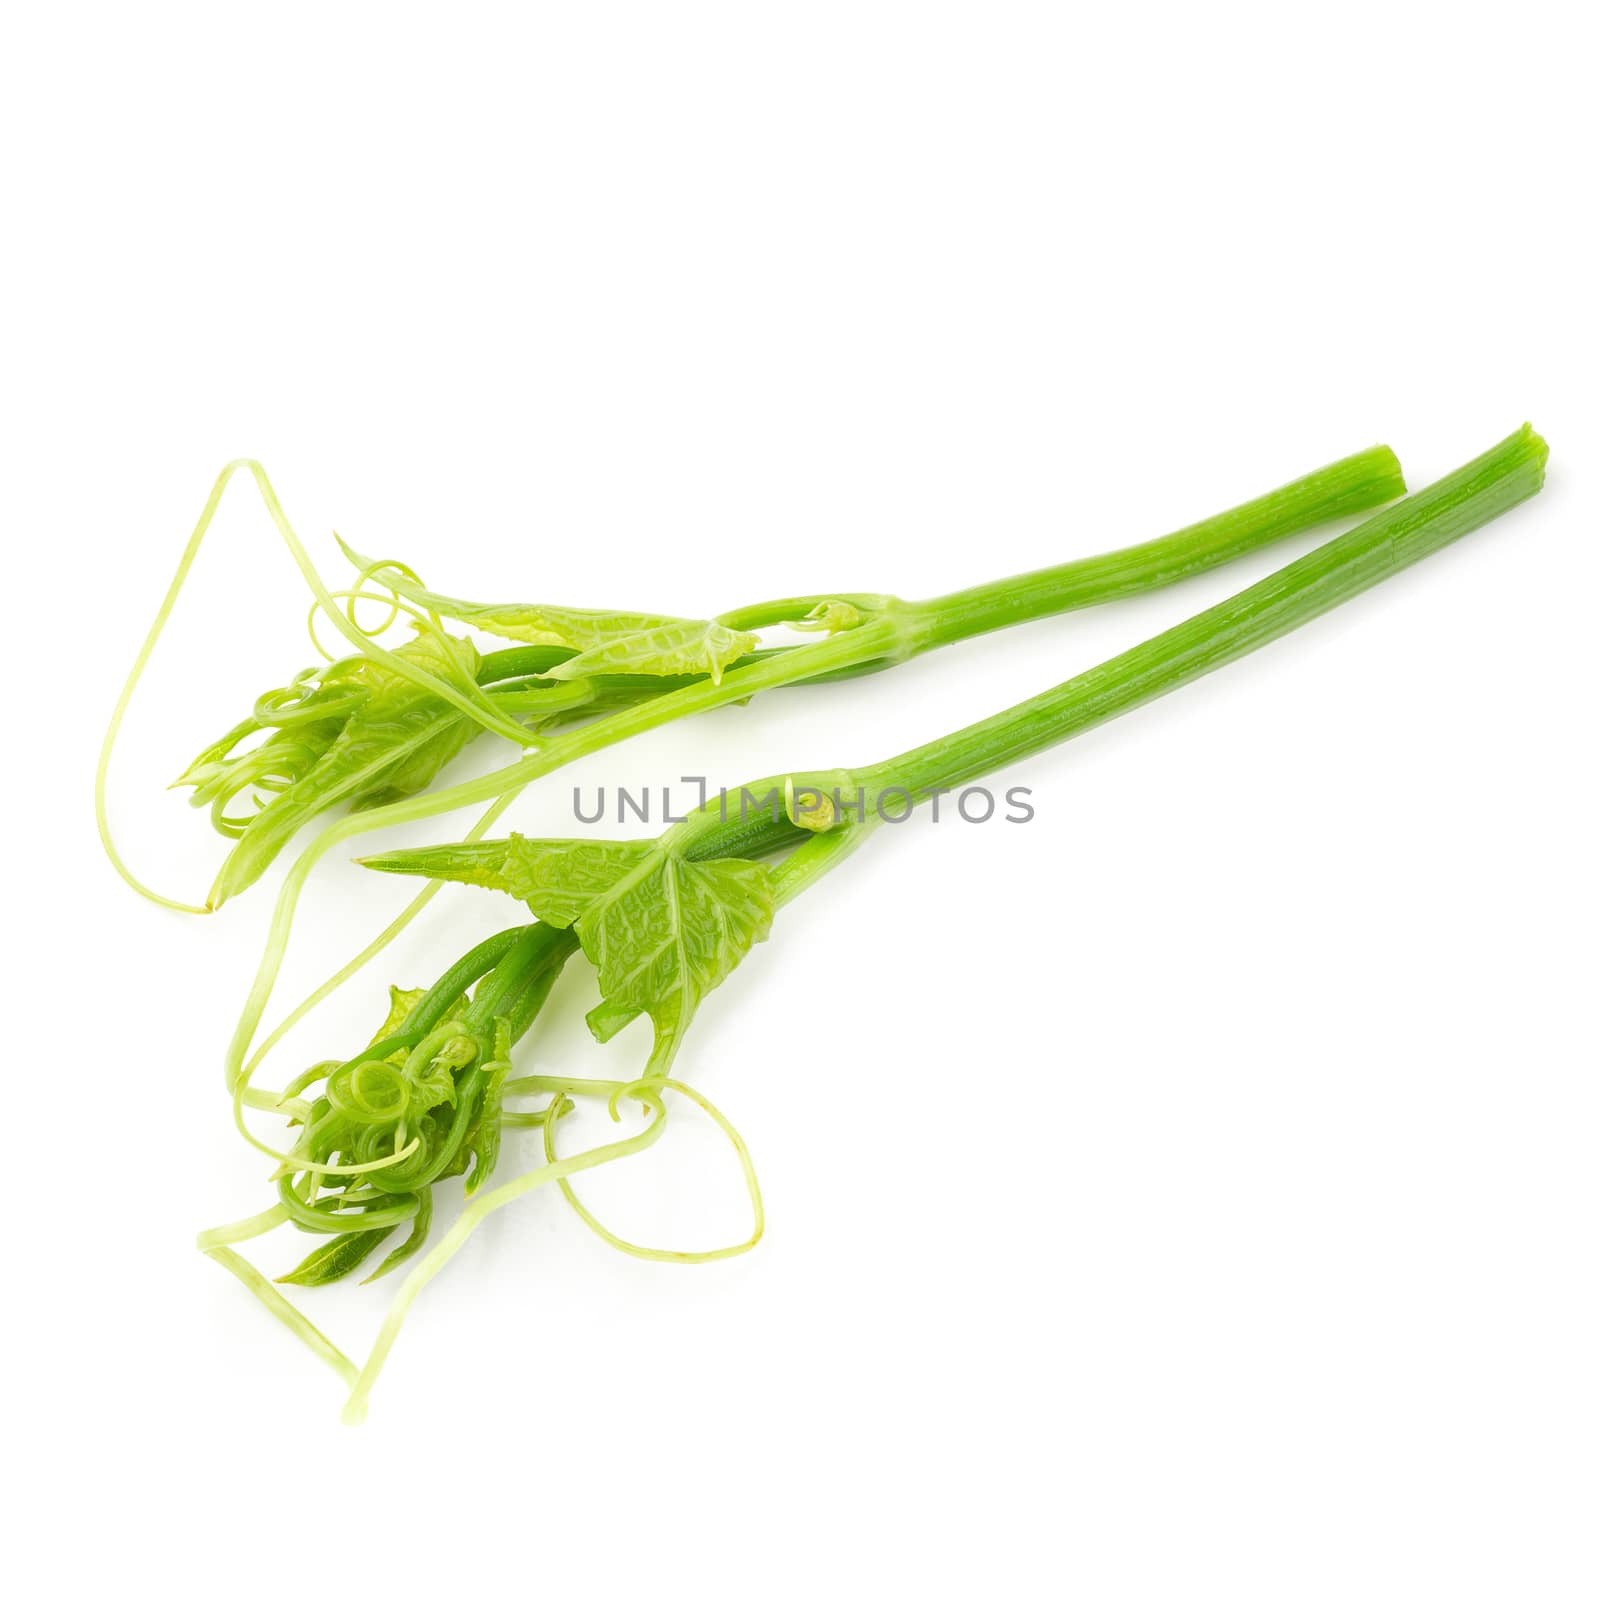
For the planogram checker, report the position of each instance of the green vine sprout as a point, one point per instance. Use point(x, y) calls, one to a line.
point(665, 921)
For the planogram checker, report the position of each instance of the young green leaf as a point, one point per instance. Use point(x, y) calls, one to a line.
point(558, 878)
point(420, 763)
point(669, 932)
point(402, 1002)
point(336, 1259)
point(668, 647)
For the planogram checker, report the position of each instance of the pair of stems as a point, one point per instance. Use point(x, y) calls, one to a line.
point(842, 805)
point(883, 632)
point(1384, 544)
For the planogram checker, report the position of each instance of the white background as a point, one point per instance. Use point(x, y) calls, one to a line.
point(1192, 1192)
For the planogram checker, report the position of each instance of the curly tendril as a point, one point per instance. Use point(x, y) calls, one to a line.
point(646, 1090)
point(293, 1160)
point(298, 702)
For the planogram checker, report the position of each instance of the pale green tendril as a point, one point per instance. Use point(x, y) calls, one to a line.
point(636, 1089)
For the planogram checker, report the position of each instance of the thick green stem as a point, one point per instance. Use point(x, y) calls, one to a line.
point(443, 993)
point(528, 969)
point(1355, 484)
point(1335, 572)
point(521, 661)
point(819, 855)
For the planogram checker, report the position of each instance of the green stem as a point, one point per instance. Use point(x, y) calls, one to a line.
point(819, 855)
point(443, 993)
point(522, 661)
point(532, 964)
point(1357, 483)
